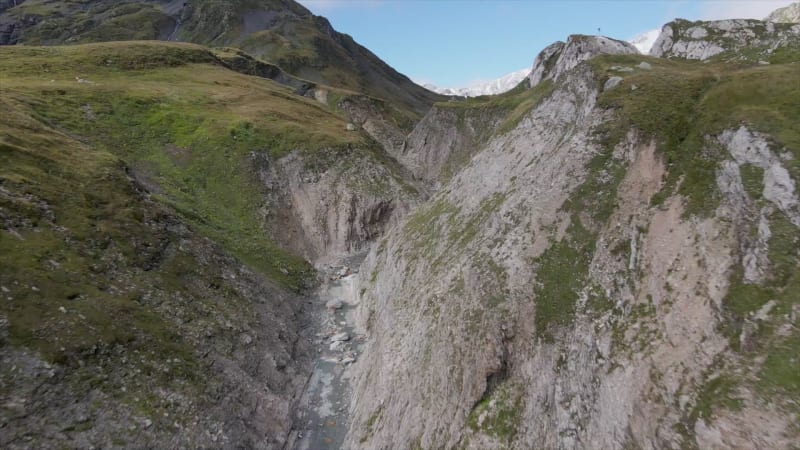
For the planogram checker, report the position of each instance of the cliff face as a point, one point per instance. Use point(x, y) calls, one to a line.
point(603, 274)
point(728, 39)
point(334, 206)
point(607, 258)
point(446, 138)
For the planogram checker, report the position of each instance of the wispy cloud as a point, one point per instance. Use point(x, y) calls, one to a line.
point(741, 9)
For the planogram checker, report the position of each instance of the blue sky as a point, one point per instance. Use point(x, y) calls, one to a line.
point(454, 43)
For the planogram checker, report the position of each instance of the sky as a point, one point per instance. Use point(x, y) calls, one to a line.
point(457, 43)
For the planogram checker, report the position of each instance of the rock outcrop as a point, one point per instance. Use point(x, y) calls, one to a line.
point(559, 58)
point(788, 14)
point(380, 120)
point(705, 40)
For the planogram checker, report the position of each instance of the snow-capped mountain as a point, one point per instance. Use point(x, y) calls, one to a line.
point(644, 42)
point(494, 87)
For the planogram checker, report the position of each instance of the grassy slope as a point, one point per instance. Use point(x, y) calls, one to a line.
point(76, 270)
point(95, 279)
point(185, 124)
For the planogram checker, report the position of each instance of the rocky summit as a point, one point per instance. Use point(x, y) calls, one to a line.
point(227, 225)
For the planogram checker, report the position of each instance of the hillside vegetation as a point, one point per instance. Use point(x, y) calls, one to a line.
point(185, 125)
point(137, 245)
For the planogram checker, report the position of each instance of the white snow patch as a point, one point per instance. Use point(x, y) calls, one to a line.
point(494, 87)
point(644, 42)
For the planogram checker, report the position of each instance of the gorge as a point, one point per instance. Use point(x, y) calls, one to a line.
point(228, 225)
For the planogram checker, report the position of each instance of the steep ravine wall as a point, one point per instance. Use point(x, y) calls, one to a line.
point(446, 138)
point(434, 341)
point(550, 296)
point(335, 203)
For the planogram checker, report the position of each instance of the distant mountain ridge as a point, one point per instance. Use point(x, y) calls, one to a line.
point(644, 42)
point(494, 87)
point(281, 31)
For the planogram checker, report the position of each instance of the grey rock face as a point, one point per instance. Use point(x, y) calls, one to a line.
point(544, 62)
point(372, 115)
point(789, 14)
point(334, 203)
point(559, 58)
point(453, 377)
point(704, 40)
point(445, 140)
point(340, 337)
point(747, 147)
point(451, 307)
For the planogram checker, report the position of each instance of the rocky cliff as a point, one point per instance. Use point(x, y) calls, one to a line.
point(615, 270)
point(332, 207)
point(559, 58)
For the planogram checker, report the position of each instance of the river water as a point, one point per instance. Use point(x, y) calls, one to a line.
point(322, 418)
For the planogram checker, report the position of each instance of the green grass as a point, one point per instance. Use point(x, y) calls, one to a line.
point(74, 208)
point(718, 392)
point(502, 414)
point(781, 371)
point(70, 21)
point(564, 267)
point(184, 122)
point(753, 180)
point(779, 376)
point(561, 274)
point(679, 103)
point(782, 280)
